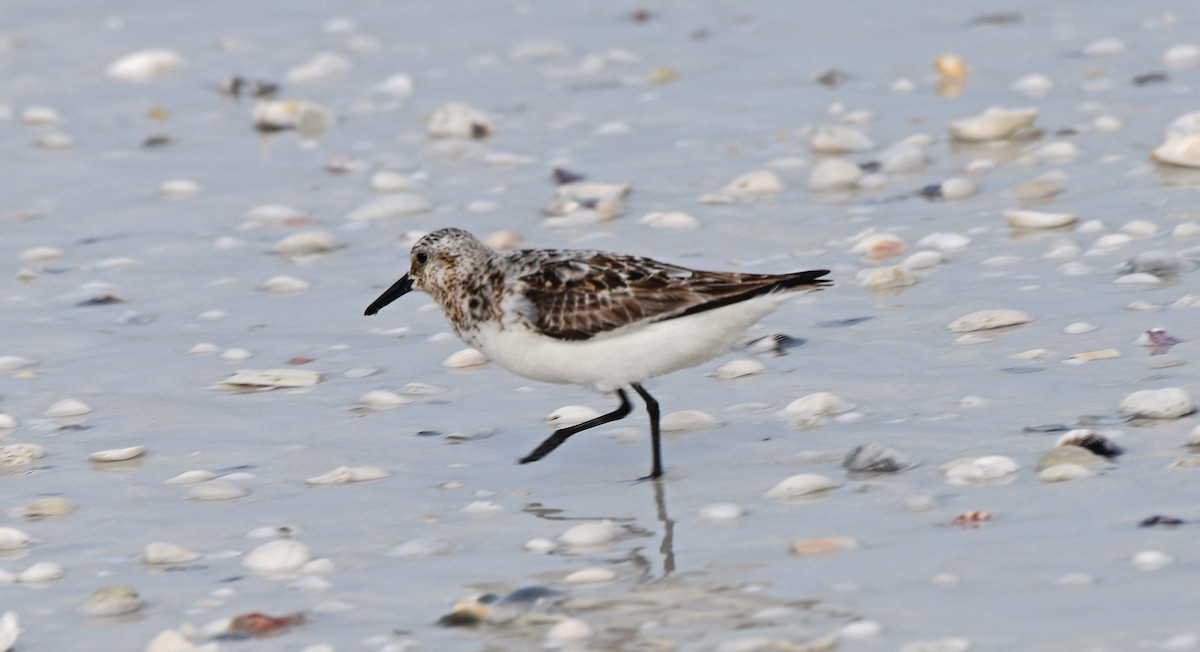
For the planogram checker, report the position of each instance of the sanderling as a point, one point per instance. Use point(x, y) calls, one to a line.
point(604, 320)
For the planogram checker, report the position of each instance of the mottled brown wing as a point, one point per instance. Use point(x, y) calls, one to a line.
point(576, 298)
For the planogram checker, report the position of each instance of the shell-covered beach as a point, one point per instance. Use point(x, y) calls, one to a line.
point(980, 438)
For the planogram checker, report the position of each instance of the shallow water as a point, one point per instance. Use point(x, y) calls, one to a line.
point(743, 96)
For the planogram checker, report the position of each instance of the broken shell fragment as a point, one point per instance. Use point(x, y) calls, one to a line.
point(117, 454)
point(305, 243)
point(279, 556)
point(271, 378)
point(383, 399)
point(112, 600)
point(822, 546)
point(803, 484)
point(348, 474)
point(1039, 219)
point(458, 120)
point(144, 66)
point(993, 124)
point(980, 470)
point(884, 278)
point(20, 454)
point(738, 369)
point(988, 319)
point(823, 403)
point(589, 535)
point(164, 553)
point(68, 407)
point(1166, 403)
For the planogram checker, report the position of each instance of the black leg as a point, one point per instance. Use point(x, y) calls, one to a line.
point(561, 435)
point(656, 471)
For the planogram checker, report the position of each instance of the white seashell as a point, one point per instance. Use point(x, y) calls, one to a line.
point(822, 403)
point(951, 67)
point(68, 407)
point(1034, 85)
point(981, 470)
point(833, 175)
point(1182, 56)
point(568, 633)
point(170, 640)
point(570, 415)
point(1039, 219)
point(1064, 472)
point(879, 246)
point(322, 67)
point(192, 477)
point(1079, 328)
point(943, 241)
point(214, 490)
point(993, 124)
point(458, 120)
point(305, 243)
point(236, 354)
point(482, 508)
point(52, 507)
point(273, 214)
point(7, 578)
point(956, 188)
point(872, 182)
point(738, 369)
point(399, 85)
point(112, 600)
point(903, 86)
point(1105, 47)
point(903, 159)
point(464, 358)
point(590, 576)
point(144, 66)
point(1087, 356)
point(161, 552)
point(886, 277)
point(1075, 580)
point(923, 260)
point(279, 556)
point(944, 644)
point(1057, 153)
point(807, 421)
point(540, 545)
point(688, 421)
point(322, 566)
point(1112, 241)
point(383, 399)
point(988, 319)
point(1142, 278)
point(840, 139)
point(348, 474)
point(179, 189)
point(10, 629)
point(722, 512)
point(1063, 251)
point(1167, 403)
point(41, 573)
point(117, 454)
point(393, 206)
point(423, 548)
point(1033, 354)
point(592, 534)
point(14, 362)
point(669, 220)
point(20, 454)
point(8, 422)
point(308, 118)
point(1183, 151)
point(1107, 123)
point(285, 285)
point(1151, 560)
point(804, 484)
point(861, 630)
point(204, 348)
point(388, 181)
point(1186, 230)
point(1139, 228)
point(272, 378)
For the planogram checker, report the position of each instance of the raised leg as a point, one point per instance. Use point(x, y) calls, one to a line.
point(561, 435)
point(656, 470)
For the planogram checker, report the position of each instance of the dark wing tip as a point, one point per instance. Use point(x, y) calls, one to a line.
point(811, 277)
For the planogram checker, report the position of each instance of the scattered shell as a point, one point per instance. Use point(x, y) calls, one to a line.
point(876, 458)
point(980, 470)
point(305, 243)
point(164, 553)
point(117, 454)
point(1092, 441)
point(348, 474)
point(540, 545)
point(993, 124)
point(53, 507)
point(688, 421)
point(1151, 560)
point(280, 556)
point(482, 508)
point(972, 520)
point(1070, 455)
point(393, 206)
point(923, 260)
point(271, 378)
point(940, 645)
point(861, 630)
point(10, 629)
point(214, 490)
point(1183, 151)
point(261, 625)
point(883, 278)
point(822, 546)
point(1167, 403)
point(179, 189)
point(1036, 190)
point(192, 477)
point(144, 66)
point(756, 183)
point(68, 407)
point(14, 362)
point(112, 600)
point(308, 118)
point(879, 246)
point(804, 484)
point(570, 632)
point(1105, 47)
point(738, 369)
point(1159, 263)
point(592, 534)
point(823, 403)
point(41, 573)
point(834, 174)
point(285, 285)
point(423, 548)
point(322, 67)
point(669, 220)
point(458, 120)
point(1079, 328)
point(590, 576)
point(951, 67)
point(840, 139)
point(1039, 220)
point(464, 358)
point(1182, 56)
point(1064, 472)
point(383, 399)
point(170, 640)
point(943, 241)
point(13, 539)
point(20, 454)
point(1088, 356)
point(236, 355)
point(988, 319)
point(956, 188)
point(722, 512)
point(204, 348)
point(1034, 85)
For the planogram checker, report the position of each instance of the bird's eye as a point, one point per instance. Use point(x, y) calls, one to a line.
point(422, 258)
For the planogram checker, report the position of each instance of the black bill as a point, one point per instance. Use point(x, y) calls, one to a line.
point(398, 289)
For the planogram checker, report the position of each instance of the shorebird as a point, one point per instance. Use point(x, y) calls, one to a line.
point(603, 320)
